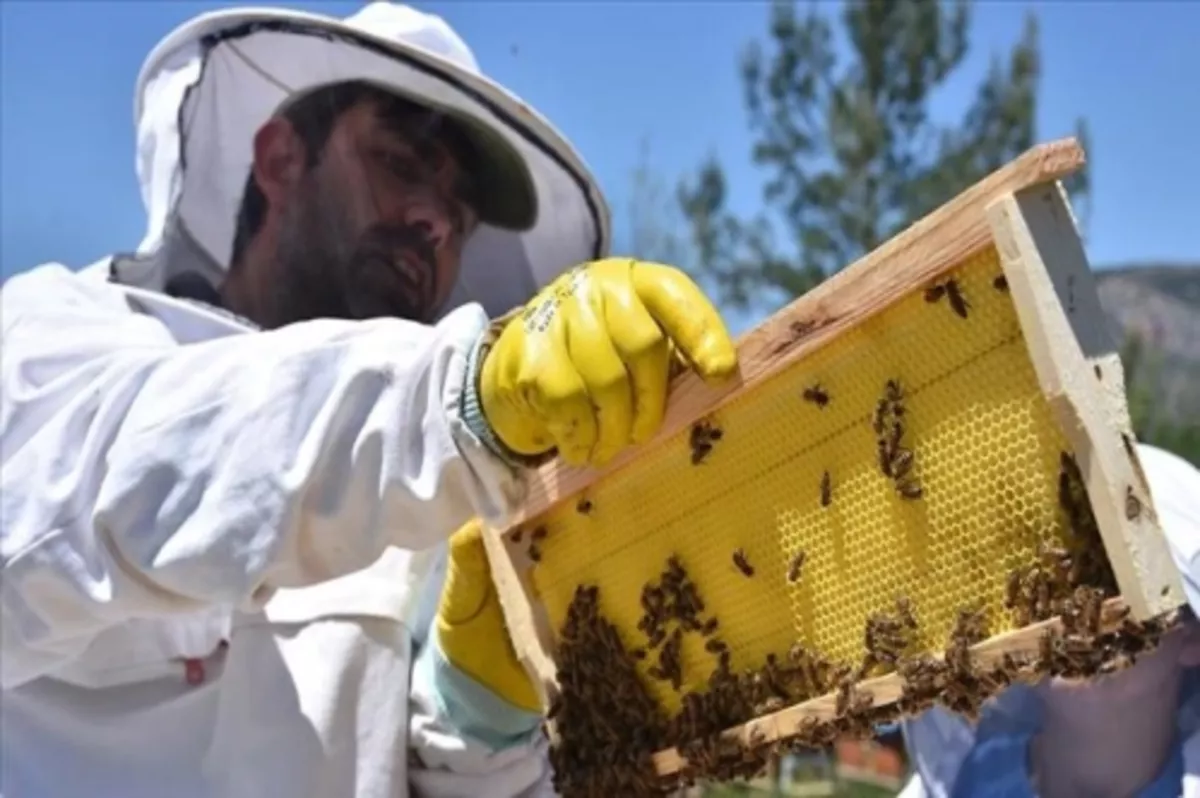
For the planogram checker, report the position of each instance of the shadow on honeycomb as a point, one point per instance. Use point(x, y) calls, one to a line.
point(985, 452)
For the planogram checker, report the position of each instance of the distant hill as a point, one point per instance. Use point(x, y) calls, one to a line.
point(1160, 304)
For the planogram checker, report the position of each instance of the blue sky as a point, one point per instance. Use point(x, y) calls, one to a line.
point(609, 74)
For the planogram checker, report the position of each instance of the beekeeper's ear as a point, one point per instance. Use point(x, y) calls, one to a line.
point(279, 160)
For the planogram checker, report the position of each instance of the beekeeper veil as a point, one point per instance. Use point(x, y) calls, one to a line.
point(208, 87)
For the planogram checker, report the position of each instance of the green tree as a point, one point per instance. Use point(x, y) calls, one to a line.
point(849, 148)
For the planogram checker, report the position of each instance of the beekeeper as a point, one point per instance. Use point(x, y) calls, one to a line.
point(232, 458)
point(1132, 734)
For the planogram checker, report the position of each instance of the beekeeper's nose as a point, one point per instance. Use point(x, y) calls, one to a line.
point(433, 219)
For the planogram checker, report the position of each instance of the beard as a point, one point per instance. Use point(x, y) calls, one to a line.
point(327, 268)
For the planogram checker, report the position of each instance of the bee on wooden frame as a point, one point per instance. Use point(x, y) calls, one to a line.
point(826, 489)
point(1133, 505)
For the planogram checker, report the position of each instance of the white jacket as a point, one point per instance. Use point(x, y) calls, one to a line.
point(172, 479)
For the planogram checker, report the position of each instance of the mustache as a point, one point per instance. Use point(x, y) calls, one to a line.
point(401, 261)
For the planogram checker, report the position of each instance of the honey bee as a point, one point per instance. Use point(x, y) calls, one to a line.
point(794, 567)
point(878, 420)
point(826, 489)
point(904, 609)
point(584, 507)
point(894, 439)
point(910, 489)
point(538, 534)
point(702, 437)
point(743, 564)
point(935, 292)
point(1133, 505)
point(1046, 647)
point(535, 553)
point(901, 462)
point(715, 646)
point(516, 536)
point(1065, 500)
point(817, 395)
point(1012, 589)
point(957, 301)
point(885, 457)
point(709, 627)
point(894, 392)
point(1000, 283)
point(705, 432)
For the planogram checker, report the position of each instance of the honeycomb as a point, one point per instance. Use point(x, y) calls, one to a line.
point(986, 451)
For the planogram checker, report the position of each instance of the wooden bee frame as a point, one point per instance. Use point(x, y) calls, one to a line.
point(1022, 211)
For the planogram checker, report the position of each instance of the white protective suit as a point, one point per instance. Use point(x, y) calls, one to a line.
point(222, 547)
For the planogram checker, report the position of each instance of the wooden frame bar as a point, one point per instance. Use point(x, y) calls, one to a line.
point(1079, 370)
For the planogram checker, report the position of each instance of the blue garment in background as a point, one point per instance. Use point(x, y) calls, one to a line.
point(992, 762)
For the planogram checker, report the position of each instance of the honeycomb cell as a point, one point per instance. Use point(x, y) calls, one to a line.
point(985, 453)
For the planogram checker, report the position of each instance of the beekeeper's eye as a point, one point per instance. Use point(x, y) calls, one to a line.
point(406, 169)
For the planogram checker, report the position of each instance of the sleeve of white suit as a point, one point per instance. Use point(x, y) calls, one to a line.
point(143, 477)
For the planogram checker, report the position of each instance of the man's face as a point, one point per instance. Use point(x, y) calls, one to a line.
point(377, 226)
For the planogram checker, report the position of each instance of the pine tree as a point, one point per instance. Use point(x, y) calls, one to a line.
point(850, 151)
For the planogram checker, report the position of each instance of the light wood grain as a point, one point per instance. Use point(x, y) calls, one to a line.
point(915, 257)
point(1078, 368)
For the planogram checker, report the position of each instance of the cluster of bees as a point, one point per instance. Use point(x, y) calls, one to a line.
point(895, 461)
point(609, 724)
point(674, 598)
point(606, 723)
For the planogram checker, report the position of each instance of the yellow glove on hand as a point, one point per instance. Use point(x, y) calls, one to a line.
point(585, 367)
point(470, 623)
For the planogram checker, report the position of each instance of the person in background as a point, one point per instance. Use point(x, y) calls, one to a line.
point(232, 459)
point(1131, 734)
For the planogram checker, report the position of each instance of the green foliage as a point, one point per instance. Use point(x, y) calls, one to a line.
point(851, 152)
point(1142, 367)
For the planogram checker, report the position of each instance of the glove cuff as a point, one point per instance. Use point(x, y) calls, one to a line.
point(468, 706)
point(471, 406)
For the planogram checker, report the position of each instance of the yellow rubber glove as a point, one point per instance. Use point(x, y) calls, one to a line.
point(584, 368)
point(470, 623)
